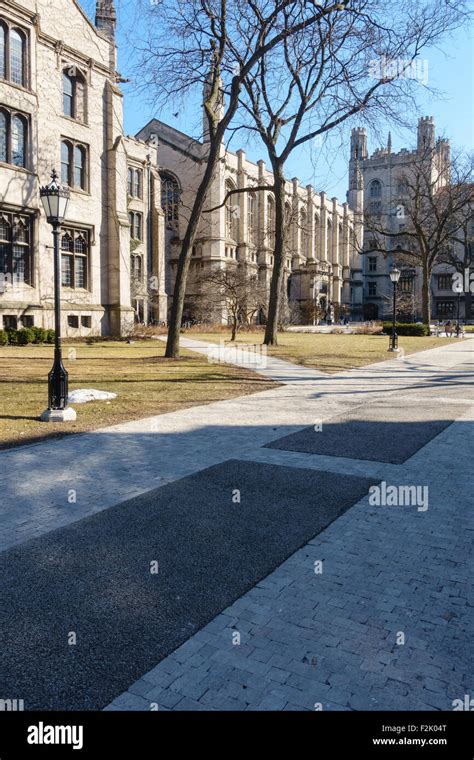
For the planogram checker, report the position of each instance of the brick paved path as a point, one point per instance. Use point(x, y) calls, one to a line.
point(330, 639)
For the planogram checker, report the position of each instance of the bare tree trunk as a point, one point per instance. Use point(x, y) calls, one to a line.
point(271, 328)
point(176, 316)
point(425, 294)
point(234, 327)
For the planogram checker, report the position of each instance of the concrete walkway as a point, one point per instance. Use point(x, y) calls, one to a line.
point(330, 638)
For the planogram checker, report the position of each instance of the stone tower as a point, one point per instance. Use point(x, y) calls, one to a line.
point(425, 134)
point(105, 17)
point(355, 196)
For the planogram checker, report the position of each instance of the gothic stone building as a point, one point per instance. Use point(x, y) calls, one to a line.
point(61, 106)
point(322, 262)
point(375, 183)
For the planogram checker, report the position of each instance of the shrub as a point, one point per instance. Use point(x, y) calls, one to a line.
point(3, 338)
point(407, 328)
point(12, 336)
point(39, 335)
point(49, 336)
point(24, 336)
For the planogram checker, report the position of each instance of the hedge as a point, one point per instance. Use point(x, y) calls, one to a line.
point(407, 328)
point(26, 335)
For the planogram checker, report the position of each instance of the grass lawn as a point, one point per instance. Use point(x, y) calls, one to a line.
point(329, 352)
point(146, 384)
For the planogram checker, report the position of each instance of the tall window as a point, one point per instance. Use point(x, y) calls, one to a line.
point(13, 54)
point(304, 232)
point(375, 189)
point(15, 248)
point(252, 217)
point(17, 56)
point(79, 166)
point(136, 266)
point(3, 136)
point(316, 235)
point(170, 195)
point(135, 183)
point(68, 95)
point(3, 50)
point(18, 141)
point(372, 263)
point(136, 226)
point(271, 221)
point(13, 138)
point(65, 162)
point(74, 91)
point(231, 213)
point(74, 258)
point(74, 164)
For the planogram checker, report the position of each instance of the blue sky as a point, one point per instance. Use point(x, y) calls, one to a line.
point(450, 70)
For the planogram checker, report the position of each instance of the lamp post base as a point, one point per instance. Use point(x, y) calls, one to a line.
point(59, 415)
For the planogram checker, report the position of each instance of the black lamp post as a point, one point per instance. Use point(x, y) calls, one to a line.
point(394, 276)
point(55, 199)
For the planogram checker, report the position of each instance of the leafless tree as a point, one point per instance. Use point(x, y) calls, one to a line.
point(216, 43)
point(434, 207)
point(234, 289)
point(358, 58)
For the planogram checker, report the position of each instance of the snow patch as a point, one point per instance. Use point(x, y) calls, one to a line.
point(83, 395)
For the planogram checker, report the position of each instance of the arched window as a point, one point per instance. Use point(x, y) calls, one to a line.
point(231, 213)
point(17, 56)
point(252, 217)
point(375, 189)
point(304, 232)
point(74, 165)
point(138, 186)
point(66, 150)
point(3, 136)
point(68, 95)
point(316, 235)
point(136, 227)
point(79, 167)
point(271, 221)
point(135, 183)
point(170, 195)
point(18, 141)
point(74, 89)
point(329, 238)
point(66, 242)
point(3, 50)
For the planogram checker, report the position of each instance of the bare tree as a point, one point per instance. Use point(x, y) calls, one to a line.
point(357, 58)
point(215, 43)
point(435, 202)
point(233, 289)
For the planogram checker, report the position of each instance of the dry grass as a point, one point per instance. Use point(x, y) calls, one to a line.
point(331, 352)
point(146, 384)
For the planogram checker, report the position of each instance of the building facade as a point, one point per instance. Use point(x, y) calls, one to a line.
point(323, 270)
point(61, 107)
point(376, 186)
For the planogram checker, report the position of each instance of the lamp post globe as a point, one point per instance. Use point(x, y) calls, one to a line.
point(394, 277)
point(55, 199)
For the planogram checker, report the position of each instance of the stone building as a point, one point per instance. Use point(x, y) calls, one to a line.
point(61, 106)
point(322, 262)
point(376, 186)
